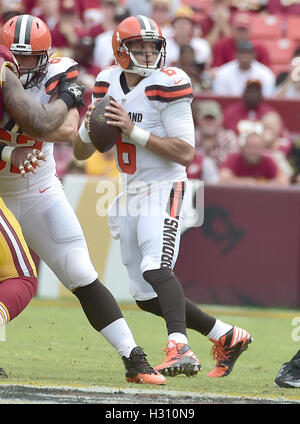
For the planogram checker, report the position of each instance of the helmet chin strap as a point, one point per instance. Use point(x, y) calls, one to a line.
point(33, 76)
point(142, 70)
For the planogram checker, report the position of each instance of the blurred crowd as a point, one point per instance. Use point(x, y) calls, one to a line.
point(248, 50)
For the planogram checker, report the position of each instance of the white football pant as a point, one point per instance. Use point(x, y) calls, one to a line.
point(52, 230)
point(149, 227)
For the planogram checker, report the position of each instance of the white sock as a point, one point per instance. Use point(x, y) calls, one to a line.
point(119, 335)
point(178, 338)
point(218, 330)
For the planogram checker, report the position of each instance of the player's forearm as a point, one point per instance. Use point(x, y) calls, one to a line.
point(172, 149)
point(34, 119)
point(82, 150)
point(67, 132)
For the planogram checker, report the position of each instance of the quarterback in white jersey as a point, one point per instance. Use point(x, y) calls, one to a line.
point(152, 107)
point(49, 223)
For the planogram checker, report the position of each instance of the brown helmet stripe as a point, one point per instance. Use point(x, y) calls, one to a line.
point(141, 22)
point(28, 30)
point(17, 29)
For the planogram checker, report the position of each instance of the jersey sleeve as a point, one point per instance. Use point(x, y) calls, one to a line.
point(57, 67)
point(102, 84)
point(167, 86)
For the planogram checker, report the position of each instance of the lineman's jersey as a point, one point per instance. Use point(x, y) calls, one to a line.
point(145, 104)
point(11, 181)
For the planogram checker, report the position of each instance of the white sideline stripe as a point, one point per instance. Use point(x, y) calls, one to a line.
point(16, 247)
point(171, 393)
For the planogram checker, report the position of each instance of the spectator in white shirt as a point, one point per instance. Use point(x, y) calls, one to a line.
point(184, 25)
point(161, 12)
point(103, 55)
point(232, 77)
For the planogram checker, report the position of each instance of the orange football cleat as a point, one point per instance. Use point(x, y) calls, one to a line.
point(227, 349)
point(139, 371)
point(179, 360)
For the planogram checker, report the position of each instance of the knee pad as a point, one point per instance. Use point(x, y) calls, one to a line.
point(78, 269)
point(158, 276)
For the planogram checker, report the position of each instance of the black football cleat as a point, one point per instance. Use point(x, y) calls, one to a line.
point(288, 376)
point(139, 371)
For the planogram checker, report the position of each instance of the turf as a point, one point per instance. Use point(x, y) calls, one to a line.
point(51, 342)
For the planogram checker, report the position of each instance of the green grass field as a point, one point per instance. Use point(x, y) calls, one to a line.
point(52, 343)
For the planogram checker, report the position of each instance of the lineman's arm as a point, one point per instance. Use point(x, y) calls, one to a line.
point(67, 131)
point(34, 119)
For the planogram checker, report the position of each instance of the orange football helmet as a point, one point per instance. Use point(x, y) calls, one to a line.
point(137, 28)
point(28, 35)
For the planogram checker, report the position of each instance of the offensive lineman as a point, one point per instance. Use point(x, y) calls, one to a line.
point(18, 279)
point(48, 221)
point(152, 156)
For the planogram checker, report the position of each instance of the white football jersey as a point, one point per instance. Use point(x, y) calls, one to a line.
point(145, 104)
point(11, 181)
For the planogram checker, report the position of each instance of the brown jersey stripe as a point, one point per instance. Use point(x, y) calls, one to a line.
point(51, 88)
point(72, 75)
point(100, 89)
point(52, 83)
point(101, 84)
point(12, 249)
point(163, 88)
point(168, 94)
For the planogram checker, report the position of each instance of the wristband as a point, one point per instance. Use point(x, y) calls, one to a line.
point(83, 134)
point(6, 153)
point(139, 135)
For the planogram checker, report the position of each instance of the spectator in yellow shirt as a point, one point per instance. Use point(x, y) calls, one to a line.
point(102, 164)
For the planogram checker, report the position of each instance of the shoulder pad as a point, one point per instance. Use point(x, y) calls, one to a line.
point(7, 59)
point(168, 85)
point(102, 82)
point(56, 68)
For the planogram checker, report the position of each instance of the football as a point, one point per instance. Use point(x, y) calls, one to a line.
point(102, 135)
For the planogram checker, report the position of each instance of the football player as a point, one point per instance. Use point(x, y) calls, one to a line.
point(18, 279)
point(48, 222)
point(152, 107)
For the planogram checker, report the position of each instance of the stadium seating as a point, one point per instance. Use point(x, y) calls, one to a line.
point(293, 28)
point(280, 53)
point(266, 27)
